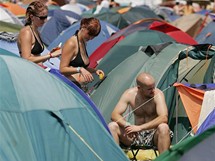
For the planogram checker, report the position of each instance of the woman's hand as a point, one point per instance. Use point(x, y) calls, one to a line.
point(55, 52)
point(88, 77)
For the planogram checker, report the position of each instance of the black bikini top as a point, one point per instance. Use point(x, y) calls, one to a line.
point(78, 61)
point(38, 48)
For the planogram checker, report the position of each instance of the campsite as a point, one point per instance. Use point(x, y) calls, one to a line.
point(46, 116)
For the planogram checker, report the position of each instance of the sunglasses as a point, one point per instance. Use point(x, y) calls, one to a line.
point(41, 17)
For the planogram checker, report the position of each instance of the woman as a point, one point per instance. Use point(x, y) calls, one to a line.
point(74, 60)
point(29, 42)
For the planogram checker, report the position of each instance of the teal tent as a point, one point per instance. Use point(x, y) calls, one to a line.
point(197, 148)
point(123, 76)
point(123, 16)
point(168, 63)
point(43, 119)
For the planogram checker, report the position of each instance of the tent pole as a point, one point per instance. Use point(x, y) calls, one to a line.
point(176, 119)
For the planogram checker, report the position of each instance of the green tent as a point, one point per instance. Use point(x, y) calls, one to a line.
point(129, 45)
point(120, 18)
point(168, 64)
point(9, 27)
point(44, 119)
point(197, 148)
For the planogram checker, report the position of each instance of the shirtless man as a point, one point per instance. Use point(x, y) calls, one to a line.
point(150, 112)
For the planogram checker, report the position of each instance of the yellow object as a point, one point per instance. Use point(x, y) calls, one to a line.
point(101, 76)
point(142, 155)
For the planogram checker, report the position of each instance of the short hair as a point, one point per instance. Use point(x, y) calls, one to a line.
point(92, 25)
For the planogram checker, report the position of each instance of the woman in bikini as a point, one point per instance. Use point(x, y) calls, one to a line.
point(29, 42)
point(74, 60)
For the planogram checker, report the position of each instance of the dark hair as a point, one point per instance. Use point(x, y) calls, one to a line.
point(34, 8)
point(92, 25)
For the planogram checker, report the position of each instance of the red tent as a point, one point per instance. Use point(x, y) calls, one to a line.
point(174, 32)
point(148, 24)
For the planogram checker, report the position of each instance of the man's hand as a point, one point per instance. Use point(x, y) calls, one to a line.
point(132, 129)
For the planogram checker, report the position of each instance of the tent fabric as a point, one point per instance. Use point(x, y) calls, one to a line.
point(113, 86)
point(103, 49)
point(124, 19)
point(191, 24)
point(7, 16)
point(192, 100)
point(173, 32)
point(57, 73)
point(16, 9)
point(9, 27)
point(172, 74)
point(210, 73)
point(208, 105)
point(60, 21)
point(208, 123)
point(45, 119)
point(72, 7)
point(70, 83)
point(129, 46)
point(167, 13)
point(106, 31)
point(147, 24)
point(207, 35)
point(198, 148)
point(174, 63)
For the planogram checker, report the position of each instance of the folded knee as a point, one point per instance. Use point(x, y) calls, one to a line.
point(163, 128)
point(113, 126)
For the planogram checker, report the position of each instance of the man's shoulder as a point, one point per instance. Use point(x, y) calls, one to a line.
point(159, 93)
point(131, 91)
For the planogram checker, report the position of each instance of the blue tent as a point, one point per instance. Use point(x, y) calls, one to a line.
point(208, 123)
point(207, 35)
point(106, 31)
point(59, 21)
point(44, 119)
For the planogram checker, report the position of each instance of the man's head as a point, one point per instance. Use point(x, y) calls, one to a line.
point(146, 84)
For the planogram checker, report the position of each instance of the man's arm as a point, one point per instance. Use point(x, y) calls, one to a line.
point(120, 108)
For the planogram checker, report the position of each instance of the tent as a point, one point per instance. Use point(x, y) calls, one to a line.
point(59, 21)
point(192, 24)
point(129, 45)
point(75, 7)
point(198, 101)
point(198, 148)
point(166, 13)
point(42, 118)
point(123, 17)
point(7, 16)
point(9, 27)
point(168, 63)
point(106, 31)
point(147, 24)
point(16, 9)
point(207, 35)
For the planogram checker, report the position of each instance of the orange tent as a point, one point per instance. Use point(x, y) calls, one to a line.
point(15, 9)
point(192, 100)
